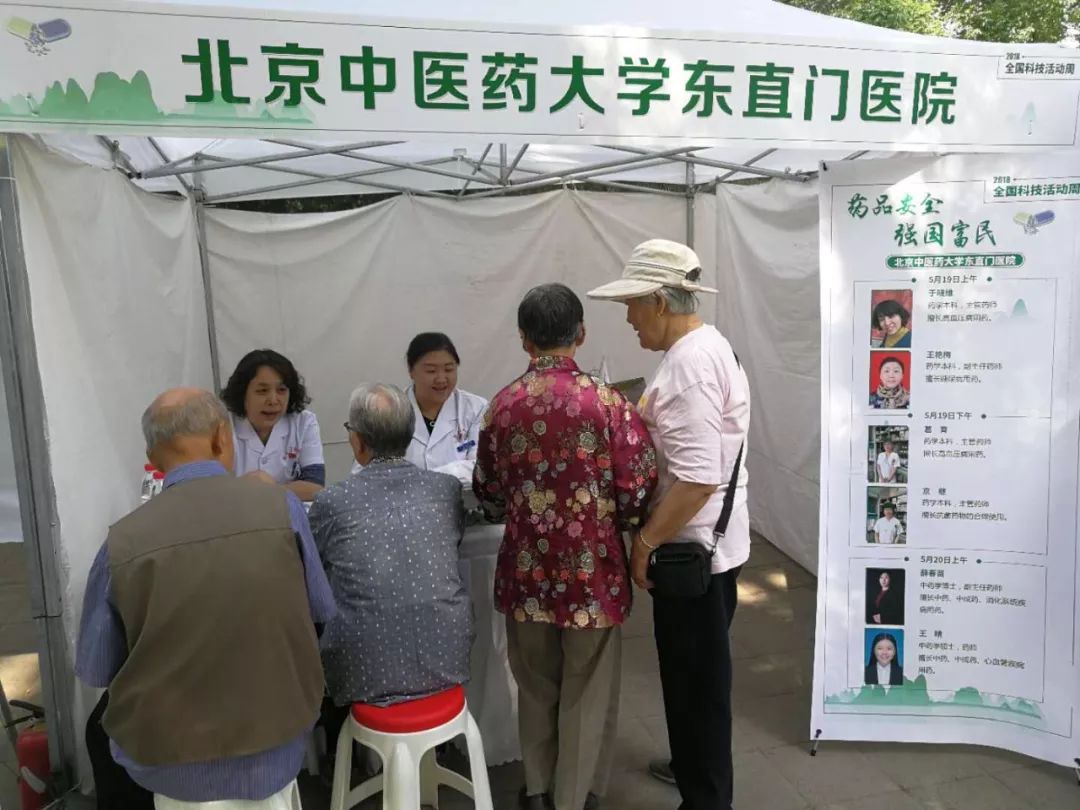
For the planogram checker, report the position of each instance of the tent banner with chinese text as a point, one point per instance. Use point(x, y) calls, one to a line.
point(947, 607)
point(145, 68)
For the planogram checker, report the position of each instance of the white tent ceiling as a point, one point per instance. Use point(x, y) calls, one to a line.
point(384, 167)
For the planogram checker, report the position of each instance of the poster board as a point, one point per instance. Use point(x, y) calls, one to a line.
point(950, 400)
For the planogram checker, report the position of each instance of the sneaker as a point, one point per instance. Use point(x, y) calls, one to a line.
point(661, 769)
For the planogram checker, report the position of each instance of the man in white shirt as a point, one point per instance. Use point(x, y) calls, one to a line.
point(697, 409)
point(888, 529)
point(888, 463)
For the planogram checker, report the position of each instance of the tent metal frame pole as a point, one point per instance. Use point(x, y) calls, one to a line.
point(562, 178)
point(317, 178)
point(303, 151)
point(716, 164)
point(517, 159)
point(198, 203)
point(34, 481)
point(616, 186)
point(690, 204)
point(750, 162)
point(172, 164)
point(478, 168)
point(503, 175)
point(605, 167)
point(161, 154)
point(385, 161)
point(119, 159)
point(611, 184)
point(352, 177)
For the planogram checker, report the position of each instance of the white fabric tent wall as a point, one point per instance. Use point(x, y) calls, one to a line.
point(118, 312)
point(342, 294)
point(767, 268)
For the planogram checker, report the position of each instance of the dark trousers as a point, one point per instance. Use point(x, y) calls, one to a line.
point(115, 790)
point(694, 648)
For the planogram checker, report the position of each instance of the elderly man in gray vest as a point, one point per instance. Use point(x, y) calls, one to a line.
point(388, 537)
point(200, 617)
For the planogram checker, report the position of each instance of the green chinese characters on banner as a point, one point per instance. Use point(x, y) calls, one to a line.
point(298, 72)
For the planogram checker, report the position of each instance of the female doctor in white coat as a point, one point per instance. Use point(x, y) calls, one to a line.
point(447, 419)
point(275, 438)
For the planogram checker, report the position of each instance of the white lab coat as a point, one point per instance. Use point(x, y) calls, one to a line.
point(451, 447)
point(294, 443)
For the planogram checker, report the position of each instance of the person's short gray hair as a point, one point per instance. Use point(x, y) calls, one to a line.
point(382, 416)
point(679, 302)
point(199, 415)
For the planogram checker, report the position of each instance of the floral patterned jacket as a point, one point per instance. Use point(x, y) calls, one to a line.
point(570, 465)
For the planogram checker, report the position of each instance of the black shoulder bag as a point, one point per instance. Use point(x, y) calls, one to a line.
point(682, 570)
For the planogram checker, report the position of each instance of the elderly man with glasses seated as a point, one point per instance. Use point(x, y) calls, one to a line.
point(388, 537)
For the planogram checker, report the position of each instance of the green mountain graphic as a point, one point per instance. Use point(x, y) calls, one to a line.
point(112, 99)
point(117, 100)
point(915, 693)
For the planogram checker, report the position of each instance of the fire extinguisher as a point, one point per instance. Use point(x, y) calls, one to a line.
point(31, 743)
point(32, 755)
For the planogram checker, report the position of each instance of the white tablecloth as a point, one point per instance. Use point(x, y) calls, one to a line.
point(491, 692)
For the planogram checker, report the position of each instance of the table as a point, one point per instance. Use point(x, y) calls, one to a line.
point(491, 691)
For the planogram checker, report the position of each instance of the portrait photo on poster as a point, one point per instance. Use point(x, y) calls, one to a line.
point(887, 454)
point(886, 515)
point(890, 380)
point(884, 656)
point(890, 319)
point(885, 596)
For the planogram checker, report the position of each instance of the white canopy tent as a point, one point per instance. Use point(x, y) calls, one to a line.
point(759, 242)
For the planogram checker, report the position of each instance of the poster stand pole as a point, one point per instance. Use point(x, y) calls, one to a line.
point(1076, 768)
point(817, 739)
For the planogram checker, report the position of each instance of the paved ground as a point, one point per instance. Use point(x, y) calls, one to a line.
point(773, 642)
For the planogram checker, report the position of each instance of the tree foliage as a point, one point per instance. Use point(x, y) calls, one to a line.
point(987, 20)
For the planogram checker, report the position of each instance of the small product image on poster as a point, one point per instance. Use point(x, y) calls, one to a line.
point(887, 454)
point(885, 596)
point(886, 515)
point(890, 319)
point(890, 380)
point(884, 657)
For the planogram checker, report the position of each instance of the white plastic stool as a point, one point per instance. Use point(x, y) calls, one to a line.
point(410, 775)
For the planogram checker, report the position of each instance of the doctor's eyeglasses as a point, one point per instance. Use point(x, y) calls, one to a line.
point(349, 428)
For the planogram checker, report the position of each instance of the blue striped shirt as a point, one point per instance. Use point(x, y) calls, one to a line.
point(102, 650)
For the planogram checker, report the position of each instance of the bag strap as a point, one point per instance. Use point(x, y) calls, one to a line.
point(729, 501)
point(729, 495)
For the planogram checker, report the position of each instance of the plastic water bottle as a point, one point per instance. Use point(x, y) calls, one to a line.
point(147, 483)
point(159, 483)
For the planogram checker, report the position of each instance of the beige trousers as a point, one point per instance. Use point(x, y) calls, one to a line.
point(287, 799)
point(568, 706)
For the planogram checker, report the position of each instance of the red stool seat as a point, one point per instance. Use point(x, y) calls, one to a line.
point(413, 715)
